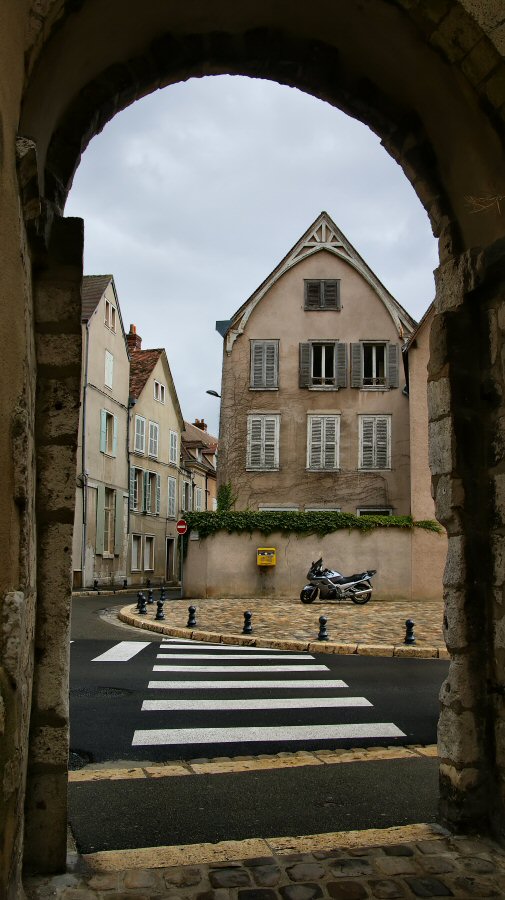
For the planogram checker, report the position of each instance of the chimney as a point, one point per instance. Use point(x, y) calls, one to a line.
point(201, 424)
point(133, 339)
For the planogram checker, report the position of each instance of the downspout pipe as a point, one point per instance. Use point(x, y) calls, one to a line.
point(84, 533)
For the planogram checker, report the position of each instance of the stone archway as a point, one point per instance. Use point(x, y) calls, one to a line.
point(430, 80)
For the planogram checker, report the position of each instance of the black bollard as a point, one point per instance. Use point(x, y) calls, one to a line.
point(160, 615)
point(143, 606)
point(323, 631)
point(192, 617)
point(95, 584)
point(247, 629)
point(162, 594)
point(150, 598)
point(139, 600)
point(148, 583)
point(125, 583)
point(409, 632)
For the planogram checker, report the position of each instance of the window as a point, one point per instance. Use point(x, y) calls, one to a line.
point(198, 499)
point(136, 488)
point(152, 493)
point(109, 522)
point(136, 552)
point(140, 434)
point(375, 442)
point(322, 509)
point(174, 447)
point(322, 294)
point(263, 508)
point(323, 364)
point(374, 365)
point(159, 391)
point(264, 365)
point(110, 315)
point(323, 434)
point(108, 433)
point(148, 552)
point(154, 430)
point(109, 369)
point(172, 494)
point(186, 496)
point(375, 511)
point(263, 442)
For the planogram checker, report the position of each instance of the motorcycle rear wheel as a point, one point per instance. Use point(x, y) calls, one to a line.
point(361, 599)
point(308, 595)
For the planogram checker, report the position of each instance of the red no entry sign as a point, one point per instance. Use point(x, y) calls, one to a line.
point(182, 526)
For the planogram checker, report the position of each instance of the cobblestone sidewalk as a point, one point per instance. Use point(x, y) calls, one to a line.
point(352, 866)
point(378, 628)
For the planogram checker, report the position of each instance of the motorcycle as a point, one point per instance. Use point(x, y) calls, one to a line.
point(332, 585)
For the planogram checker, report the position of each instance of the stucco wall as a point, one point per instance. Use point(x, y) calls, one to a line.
point(224, 565)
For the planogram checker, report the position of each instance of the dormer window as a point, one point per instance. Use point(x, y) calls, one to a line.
point(159, 391)
point(110, 315)
point(322, 294)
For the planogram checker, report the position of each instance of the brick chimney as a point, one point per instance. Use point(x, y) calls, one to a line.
point(133, 339)
point(201, 424)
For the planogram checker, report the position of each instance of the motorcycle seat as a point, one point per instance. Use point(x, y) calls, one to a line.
point(346, 579)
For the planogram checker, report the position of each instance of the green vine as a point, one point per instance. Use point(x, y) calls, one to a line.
point(247, 521)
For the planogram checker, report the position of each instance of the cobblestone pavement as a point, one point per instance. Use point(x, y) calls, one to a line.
point(378, 624)
point(353, 867)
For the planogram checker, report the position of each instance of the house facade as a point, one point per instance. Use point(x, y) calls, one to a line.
point(314, 414)
point(99, 550)
point(155, 476)
point(199, 459)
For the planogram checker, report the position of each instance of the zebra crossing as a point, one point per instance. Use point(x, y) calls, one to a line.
point(197, 705)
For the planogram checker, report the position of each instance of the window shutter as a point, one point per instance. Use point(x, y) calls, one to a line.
point(271, 364)
point(331, 295)
point(132, 488)
point(257, 363)
point(158, 494)
point(304, 365)
point(330, 454)
point(271, 443)
point(312, 294)
point(100, 517)
point(118, 523)
point(109, 368)
point(367, 442)
point(393, 374)
point(254, 435)
point(315, 442)
point(341, 357)
point(382, 442)
point(171, 496)
point(146, 498)
point(114, 436)
point(140, 434)
point(356, 378)
point(103, 430)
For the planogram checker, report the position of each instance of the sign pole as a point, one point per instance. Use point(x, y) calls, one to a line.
point(182, 527)
point(181, 539)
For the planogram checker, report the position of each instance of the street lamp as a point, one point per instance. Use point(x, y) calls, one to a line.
point(213, 393)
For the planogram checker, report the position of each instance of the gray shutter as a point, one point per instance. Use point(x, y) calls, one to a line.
point(257, 364)
point(367, 443)
point(330, 442)
point(313, 294)
point(331, 295)
point(271, 364)
point(315, 436)
point(382, 460)
point(103, 430)
point(146, 497)
point(118, 523)
point(158, 494)
point(341, 356)
point(114, 436)
point(132, 487)
point(270, 442)
point(254, 442)
point(305, 379)
point(356, 379)
point(393, 374)
point(100, 517)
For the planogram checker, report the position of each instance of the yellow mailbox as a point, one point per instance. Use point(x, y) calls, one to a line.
point(266, 556)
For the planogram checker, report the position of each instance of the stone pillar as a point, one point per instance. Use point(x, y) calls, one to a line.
point(467, 456)
point(57, 301)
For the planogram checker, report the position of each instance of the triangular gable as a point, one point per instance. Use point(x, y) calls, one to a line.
point(142, 366)
point(323, 234)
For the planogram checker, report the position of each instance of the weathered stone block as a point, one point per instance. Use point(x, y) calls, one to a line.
point(59, 350)
point(58, 404)
point(439, 398)
point(441, 446)
point(49, 746)
point(459, 686)
point(455, 630)
point(60, 307)
point(449, 500)
point(56, 478)
point(498, 487)
point(455, 568)
point(457, 738)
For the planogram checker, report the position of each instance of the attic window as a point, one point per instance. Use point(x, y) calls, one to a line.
point(159, 391)
point(110, 315)
point(322, 294)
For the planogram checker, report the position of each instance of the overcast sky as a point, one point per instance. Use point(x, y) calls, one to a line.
point(193, 195)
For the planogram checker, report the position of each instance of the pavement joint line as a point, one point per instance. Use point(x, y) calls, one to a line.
point(228, 851)
point(221, 766)
point(359, 648)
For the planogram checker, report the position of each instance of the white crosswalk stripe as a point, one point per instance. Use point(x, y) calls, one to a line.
point(246, 684)
point(262, 733)
point(122, 652)
point(280, 703)
point(228, 656)
point(241, 669)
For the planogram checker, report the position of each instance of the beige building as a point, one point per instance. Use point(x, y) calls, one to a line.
point(313, 411)
point(101, 501)
point(155, 429)
point(199, 459)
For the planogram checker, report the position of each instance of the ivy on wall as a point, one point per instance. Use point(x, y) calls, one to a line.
point(289, 522)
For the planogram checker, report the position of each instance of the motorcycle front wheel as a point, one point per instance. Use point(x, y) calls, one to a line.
point(365, 597)
point(308, 595)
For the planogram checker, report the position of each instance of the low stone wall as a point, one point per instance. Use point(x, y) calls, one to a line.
point(409, 565)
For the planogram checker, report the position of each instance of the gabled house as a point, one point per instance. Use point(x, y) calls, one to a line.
point(101, 510)
point(313, 412)
point(199, 459)
point(155, 429)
